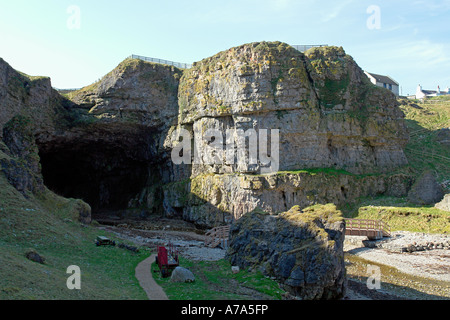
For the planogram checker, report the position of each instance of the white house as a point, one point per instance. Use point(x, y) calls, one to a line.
point(421, 94)
point(384, 81)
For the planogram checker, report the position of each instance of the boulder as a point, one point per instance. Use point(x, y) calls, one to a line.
point(443, 136)
point(426, 190)
point(444, 204)
point(82, 211)
point(34, 256)
point(302, 249)
point(180, 274)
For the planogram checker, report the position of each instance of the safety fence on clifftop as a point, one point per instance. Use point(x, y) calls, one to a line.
point(305, 47)
point(162, 61)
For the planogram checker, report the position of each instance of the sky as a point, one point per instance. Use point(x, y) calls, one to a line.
point(77, 42)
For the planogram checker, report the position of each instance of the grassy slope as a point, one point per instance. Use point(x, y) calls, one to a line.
point(47, 226)
point(423, 152)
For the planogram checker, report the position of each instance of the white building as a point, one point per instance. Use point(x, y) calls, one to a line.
point(384, 82)
point(421, 94)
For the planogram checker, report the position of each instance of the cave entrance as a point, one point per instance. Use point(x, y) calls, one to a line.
point(105, 172)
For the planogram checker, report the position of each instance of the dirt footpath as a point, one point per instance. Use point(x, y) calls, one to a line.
point(146, 281)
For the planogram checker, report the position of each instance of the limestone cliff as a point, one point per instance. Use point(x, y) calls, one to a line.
point(211, 199)
point(115, 140)
point(327, 111)
point(110, 143)
point(136, 92)
point(104, 145)
point(29, 96)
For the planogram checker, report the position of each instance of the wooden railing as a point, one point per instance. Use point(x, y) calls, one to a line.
point(365, 227)
point(217, 236)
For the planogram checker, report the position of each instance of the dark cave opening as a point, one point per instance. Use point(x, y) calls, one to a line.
point(105, 173)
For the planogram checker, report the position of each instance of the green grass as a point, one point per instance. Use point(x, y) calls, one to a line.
point(401, 215)
point(423, 151)
point(215, 281)
point(314, 171)
point(48, 226)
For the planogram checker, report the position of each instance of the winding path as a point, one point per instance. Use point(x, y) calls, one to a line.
point(144, 275)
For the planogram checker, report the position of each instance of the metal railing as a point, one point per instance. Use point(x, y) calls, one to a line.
point(162, 61)
point(304, 47)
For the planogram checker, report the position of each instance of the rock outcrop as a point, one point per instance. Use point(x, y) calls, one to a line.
point(444, 204)
point(210, 199)
point(33, 97)
point(426, 190)
point(20, 162)
point(302, 249)
point(136, 92)
point(327, 111)
point(29, 108)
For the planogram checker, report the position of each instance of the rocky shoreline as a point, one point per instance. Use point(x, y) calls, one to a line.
point(404, 241)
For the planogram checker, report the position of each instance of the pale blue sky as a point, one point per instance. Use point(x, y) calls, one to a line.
point(412, 44)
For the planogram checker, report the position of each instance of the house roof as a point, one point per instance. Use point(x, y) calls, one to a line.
point(383, 79)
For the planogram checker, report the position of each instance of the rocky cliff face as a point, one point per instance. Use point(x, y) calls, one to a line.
point(110, 143)
point(104, 145)
point(135, 92)
point(114, 143)
point(327, 111)
point(29, 96)
point(211, 199)
point(328, 115)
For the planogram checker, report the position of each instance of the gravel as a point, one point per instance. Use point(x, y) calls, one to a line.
point(189, 245)
point(428, 263)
